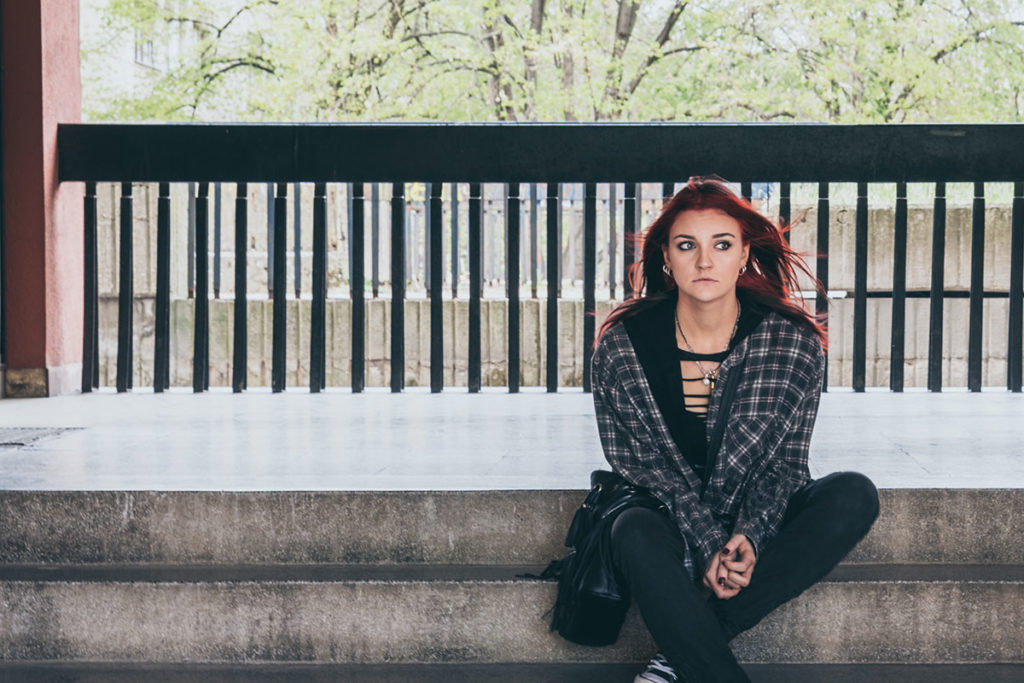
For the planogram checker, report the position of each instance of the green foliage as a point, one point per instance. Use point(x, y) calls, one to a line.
point(554, 60)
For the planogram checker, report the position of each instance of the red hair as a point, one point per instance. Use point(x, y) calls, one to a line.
point(772, 267)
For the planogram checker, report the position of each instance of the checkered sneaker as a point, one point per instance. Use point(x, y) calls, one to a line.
point(657, 671)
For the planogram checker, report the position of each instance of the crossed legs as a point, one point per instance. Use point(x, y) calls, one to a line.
point(824, 520)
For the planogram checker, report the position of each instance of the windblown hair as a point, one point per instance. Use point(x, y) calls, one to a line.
point(772, 268)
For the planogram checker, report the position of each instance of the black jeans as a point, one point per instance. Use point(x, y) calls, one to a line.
point(824, 520)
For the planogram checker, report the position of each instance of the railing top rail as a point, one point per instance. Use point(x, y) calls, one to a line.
point(539, 152)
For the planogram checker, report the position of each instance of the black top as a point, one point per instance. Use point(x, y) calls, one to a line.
point(652, 333)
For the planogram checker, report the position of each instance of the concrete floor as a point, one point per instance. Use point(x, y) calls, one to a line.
point(454, 440)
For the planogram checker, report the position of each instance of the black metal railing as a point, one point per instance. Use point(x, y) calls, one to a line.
point(530, 153)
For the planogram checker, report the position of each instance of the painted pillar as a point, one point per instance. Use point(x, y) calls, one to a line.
point(43, 266)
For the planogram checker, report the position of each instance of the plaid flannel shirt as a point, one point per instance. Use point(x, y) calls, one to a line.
point(763, 455)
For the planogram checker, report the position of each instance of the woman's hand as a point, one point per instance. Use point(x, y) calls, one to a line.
point(731, 569)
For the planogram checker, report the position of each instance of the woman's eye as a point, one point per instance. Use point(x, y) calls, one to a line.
point(723, 245)
point(685, 246)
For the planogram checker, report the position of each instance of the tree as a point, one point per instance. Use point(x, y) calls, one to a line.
point(763, 60)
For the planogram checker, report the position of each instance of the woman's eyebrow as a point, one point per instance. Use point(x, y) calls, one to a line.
point(714, 237)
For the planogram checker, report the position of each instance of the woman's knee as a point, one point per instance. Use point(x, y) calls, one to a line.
point(853, 496)
point(643, 532)
point(647, 547)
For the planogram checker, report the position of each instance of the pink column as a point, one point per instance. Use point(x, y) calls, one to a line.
point(43, 266)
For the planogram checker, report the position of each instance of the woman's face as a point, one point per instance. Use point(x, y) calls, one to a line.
point(705, 252)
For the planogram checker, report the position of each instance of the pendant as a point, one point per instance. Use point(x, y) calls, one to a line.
point(707, 380)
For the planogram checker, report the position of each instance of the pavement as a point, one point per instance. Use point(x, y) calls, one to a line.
point(454, 440)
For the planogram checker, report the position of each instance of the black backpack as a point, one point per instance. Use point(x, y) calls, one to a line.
point(592, 595)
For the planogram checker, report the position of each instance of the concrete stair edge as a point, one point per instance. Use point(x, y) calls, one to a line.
point(458, 527)
point(471, 621)
point(269, 672)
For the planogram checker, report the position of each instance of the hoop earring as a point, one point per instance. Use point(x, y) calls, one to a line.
point(743, 270)
point(664, 267)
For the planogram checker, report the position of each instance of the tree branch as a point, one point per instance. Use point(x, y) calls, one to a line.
point(530, 59)
point(655, 54)
point(763, 115)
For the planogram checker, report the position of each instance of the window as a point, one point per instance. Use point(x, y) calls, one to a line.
point(144, 53)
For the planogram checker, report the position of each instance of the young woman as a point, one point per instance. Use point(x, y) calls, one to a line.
point(706, 388)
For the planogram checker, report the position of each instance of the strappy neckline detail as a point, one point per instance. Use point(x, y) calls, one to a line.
point(718, 356)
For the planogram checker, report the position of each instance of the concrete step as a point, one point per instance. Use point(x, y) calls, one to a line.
point(455, 527)
point(873, 614)
point(40, 672)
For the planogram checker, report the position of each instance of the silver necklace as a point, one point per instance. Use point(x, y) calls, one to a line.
point(710, 376)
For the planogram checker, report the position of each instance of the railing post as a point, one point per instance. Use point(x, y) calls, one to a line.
point(357, 289)
point(554, 201)
point(436, 295)
point(454, 204)
point(201, 325)
point(977, 289)
point(821, 267)
point(938, 289)
point(613, 211)
point(860, 287)
point(534, 202)
point(280, 294)
point(475, 285)
point(162, 346)
point(216, 240)
point(90, 328)
point(190, 249)
point(297, 239)
point(397, 287)
point(270, 239)
point(126, 294)
point(512, 283)
point(589, 276)
point(899, 291)
point(747, 190)
point(375, 237)
point(318, 308)
point(239, 368)
point(668, 189)
point(1016, 313)
point(560, 215)
point(785, 210)
point(629, 214)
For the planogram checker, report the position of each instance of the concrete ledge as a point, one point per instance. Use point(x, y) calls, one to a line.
point(104, 672)
point(311, 573)
point(978, 526)
point(380, 622)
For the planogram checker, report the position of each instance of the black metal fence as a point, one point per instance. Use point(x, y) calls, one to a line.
point(527, 153)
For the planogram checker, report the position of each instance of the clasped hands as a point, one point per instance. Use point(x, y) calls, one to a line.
point(730, 569)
